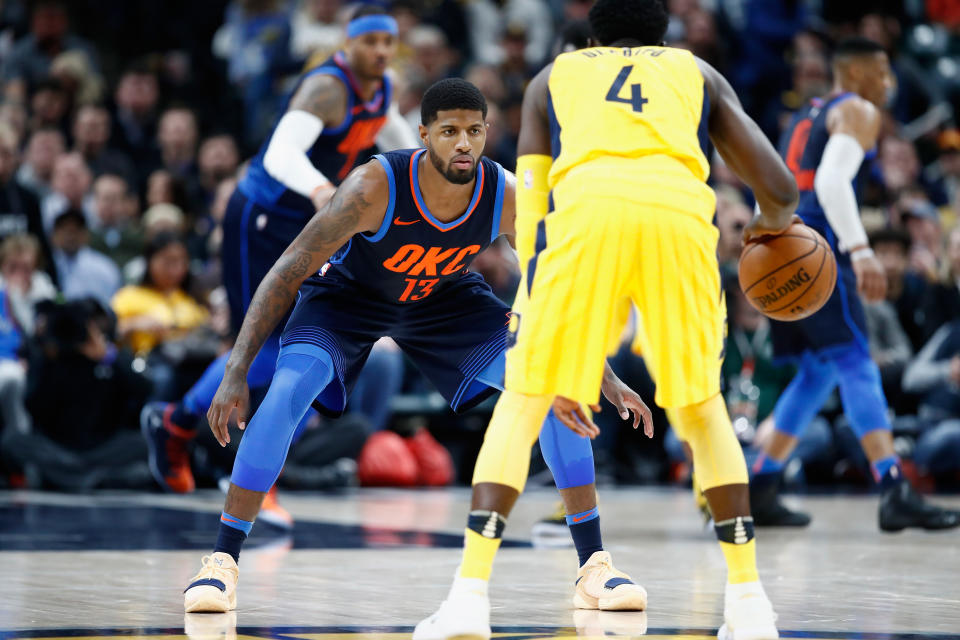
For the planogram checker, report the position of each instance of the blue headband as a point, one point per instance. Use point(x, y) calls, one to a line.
point(366, 24)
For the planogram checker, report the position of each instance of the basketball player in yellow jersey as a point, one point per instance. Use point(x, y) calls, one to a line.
point(612, 175)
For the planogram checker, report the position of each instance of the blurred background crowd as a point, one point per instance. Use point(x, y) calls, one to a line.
point(124, 127)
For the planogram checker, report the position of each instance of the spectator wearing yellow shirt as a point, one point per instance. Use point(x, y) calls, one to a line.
point(157, 317)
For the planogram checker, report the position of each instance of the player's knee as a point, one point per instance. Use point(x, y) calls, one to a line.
point(568, 455)
point(861, 391)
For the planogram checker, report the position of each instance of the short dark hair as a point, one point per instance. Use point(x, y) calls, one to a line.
point(853, 47)
point(154, 246)
point(642, 20)
point(70, 215)
point(448, 94)
point(890, 235)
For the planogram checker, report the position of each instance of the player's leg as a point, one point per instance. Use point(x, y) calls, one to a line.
point(795, 409)
point(599, 585)
point(303, 371)
point(682, 318)
point(561, 336)
point(866, 409)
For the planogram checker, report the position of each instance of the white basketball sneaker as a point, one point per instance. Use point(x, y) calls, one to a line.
point(600, 586)
point(214, 588)
point(748, 614)
point(464, 615)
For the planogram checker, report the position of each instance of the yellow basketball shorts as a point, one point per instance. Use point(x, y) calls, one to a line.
point(603, 250)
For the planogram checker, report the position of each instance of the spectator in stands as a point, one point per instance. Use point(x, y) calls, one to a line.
point(36, 172)
point(82, 84)
point(906, 290)
point(942, 303)
point(117, 233)
point(159, 311)
point(49, 105)
point(135, 119)
point(217, 160)
point(315, 29)
point(164, 187)
point(88, 437)
point(19, 209)
point(935, 373)
point(732, 216)
point(22, 286)
point(30, 60)
point(81, 271)
point(71, 183)
point(433, 57)
point(922, 222)
point(91, 138)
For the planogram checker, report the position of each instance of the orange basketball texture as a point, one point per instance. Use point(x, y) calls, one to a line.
point(788, 276)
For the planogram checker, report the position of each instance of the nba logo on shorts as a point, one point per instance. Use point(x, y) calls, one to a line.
point(513, 326)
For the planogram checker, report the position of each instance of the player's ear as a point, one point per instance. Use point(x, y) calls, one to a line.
point(423, 134)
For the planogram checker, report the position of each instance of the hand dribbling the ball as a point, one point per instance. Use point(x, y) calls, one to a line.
point(760, 227)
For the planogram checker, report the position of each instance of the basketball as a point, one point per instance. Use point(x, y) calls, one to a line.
point(788, 276)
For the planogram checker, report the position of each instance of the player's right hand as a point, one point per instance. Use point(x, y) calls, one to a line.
point(760, 227)
point(232, 393)
point(571, 414)
point(871, 278)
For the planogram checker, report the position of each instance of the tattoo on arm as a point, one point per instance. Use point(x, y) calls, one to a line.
point(322, 96)
point(324, 234)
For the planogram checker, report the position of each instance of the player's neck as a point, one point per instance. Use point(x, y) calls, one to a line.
point(843, 85)
point(445, 200)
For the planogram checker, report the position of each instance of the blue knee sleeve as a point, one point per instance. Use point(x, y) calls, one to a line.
point(302, 373)
point(805, 395)
point(200, 396)
point(569, 456)
point(861, 392)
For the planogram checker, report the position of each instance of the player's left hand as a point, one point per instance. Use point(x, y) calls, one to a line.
point(627, 402)
point(571, 414)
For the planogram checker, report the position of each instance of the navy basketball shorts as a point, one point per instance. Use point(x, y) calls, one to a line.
point(451, 335)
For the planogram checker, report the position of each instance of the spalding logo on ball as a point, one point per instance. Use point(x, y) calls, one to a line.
point(788, 276)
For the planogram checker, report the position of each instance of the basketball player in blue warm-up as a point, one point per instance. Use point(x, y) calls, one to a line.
point(388, 256)
point(335, 117)
point(825, 148)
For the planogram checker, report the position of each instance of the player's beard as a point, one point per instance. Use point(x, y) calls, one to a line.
point(456, 176)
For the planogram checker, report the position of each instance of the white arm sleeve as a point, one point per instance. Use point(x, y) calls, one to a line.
point(396, 132)
point(841, 160)
point(286, 156)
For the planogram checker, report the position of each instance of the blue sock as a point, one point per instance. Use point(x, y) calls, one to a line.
point(585, 529)
point(233, 531)
point(887, 472)
point(766, 464)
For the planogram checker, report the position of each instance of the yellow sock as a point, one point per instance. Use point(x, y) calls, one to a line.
point(478, 554)
point(741, 561)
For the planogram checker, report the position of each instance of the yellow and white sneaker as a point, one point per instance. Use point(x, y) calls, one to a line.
point(214, 588)
point(600, 586)
point(464, 615)
point(748, 614)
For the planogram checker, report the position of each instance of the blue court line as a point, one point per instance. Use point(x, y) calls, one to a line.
point(516, 632)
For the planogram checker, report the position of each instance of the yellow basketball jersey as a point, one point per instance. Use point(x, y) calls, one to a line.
point(627, 103)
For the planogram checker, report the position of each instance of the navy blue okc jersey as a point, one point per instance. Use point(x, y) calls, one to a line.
point(802, 148)
point(414, 255)
point(337, 150)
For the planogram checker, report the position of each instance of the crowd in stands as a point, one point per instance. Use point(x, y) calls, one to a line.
point(124, 127)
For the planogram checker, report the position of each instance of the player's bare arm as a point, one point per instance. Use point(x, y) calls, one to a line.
point(853, 123)
point(323, 96)
point(358, 206)
point(746, 150)
point(534, 126)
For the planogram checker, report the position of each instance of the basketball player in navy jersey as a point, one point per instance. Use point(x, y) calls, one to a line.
point(388, 256)
point(333, 120)
point(825, 147)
